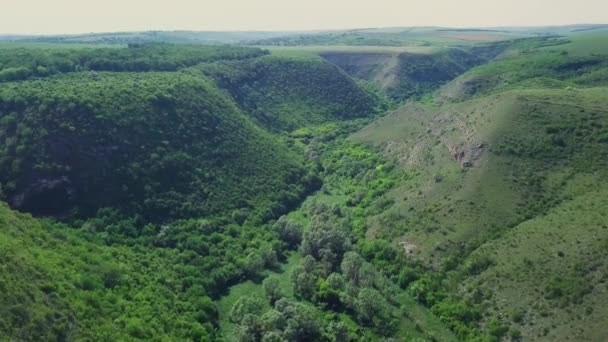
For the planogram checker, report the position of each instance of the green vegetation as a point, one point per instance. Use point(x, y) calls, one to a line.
point(203, 193)
point(501, 161)
point(161, 165)
point(289, 93)
point(537, 63)
point(404, 75)
point(389, 37)
point(89, 141)
point(63, 284)
point(348, 281)
point(28, 61)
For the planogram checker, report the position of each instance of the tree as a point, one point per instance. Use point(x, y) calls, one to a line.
point(273, 320)
point(112, 278)
point(205, 309)
point(302, 323)
point(373, 310)
point(326, 241)
point(272, 289)
point(272, 336)
point(304, 277)
point(268, 255)
point(351, 264)
point(245, 306)
point(327, 295)
point(335, 281)
point(254, 264)
point(357, 271)
point(289, 232)
point(250, 329)
point(339, 332)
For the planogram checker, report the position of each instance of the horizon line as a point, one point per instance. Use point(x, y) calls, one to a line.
point(310, 30)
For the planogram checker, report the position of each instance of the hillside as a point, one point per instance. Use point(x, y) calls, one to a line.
point(222, 193)
point(168, 182)
point(25, 61)
point(287, 93)
point(59, 284)
point(484, 165)
point(410, 75)
point(500, 202)
point(84, 142)
point(576, 61)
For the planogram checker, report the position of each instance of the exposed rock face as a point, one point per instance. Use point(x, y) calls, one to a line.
point(45, 197)
point(467, 154)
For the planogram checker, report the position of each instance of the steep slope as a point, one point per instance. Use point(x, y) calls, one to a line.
point(409, 75)
point(284, 94)
point(544, 63)
point(62, 284)
point(168, 181)
point(500, 205)
point(162, 145)
point(481, 166)
point(548, 274)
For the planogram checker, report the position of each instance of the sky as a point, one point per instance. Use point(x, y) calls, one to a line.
point(83, 16)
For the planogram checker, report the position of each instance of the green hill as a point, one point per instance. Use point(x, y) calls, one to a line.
point(62, 284)
point(287, 93)
point(500, 201)
point(484, 165)
point(410, 75)
point(186, 193)
point(169, 182)
point(23, 61)
point(162, 145)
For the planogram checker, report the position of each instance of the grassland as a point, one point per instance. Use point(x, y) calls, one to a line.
point(503, 189)
point(584, 44)
point(317, 50)
point(407, 36)
point(548, 274)
point(448, 201)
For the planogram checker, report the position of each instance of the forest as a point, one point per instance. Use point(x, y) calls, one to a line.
point(274, 191)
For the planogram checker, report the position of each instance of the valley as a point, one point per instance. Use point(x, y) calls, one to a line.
point(404, 184)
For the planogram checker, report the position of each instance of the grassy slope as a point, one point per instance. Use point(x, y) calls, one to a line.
point(579, 61)
point(446, 201)
point(518, 177)
point(549, 273)
point(584, 44)
point(396, 37)
point(316, 50)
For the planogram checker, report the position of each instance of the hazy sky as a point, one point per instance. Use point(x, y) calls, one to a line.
point(78, 16)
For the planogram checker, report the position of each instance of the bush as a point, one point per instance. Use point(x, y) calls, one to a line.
point(272, 289)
